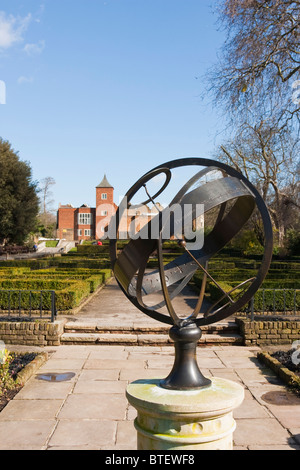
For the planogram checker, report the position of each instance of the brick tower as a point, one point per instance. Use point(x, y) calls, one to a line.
point(105, 206)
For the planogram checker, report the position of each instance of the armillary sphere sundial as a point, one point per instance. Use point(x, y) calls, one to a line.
point(213, 186)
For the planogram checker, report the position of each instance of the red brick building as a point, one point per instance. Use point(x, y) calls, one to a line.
point(85, 223)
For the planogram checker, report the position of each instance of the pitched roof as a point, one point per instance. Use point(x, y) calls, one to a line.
point(104, 183)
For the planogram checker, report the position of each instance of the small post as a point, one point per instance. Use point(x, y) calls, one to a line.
point(41, 303)
point(30, 309)
point(53, 306)
point(9, 296)
point(252, 309)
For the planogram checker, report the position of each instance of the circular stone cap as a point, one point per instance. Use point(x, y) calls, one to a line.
point(220, 397)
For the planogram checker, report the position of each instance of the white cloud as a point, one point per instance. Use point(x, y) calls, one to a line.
point(34, 49)
point(24, 79)
point(12, 29)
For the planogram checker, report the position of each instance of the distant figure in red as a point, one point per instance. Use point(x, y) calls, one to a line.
point(99, 242)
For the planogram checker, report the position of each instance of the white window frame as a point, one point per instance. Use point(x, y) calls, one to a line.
point(84, 218)
point(79, 232)
point(104, 196)
point(104, 212)
point(87, 232)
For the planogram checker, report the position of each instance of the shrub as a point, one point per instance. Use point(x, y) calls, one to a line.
point(70, 289)
point(293, 242)
point(264, 299)
point(6, 380)
point(25, 300)
point(277, 300)
point(35, 284)
point(216, 293)
point(92, 249)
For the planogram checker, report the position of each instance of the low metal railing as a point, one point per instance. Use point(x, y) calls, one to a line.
point(28, 304)
point(275, 302)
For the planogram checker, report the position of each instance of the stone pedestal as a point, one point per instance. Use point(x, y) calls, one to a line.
point(184, 420)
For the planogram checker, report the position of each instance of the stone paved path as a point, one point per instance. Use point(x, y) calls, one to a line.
point(90, 411)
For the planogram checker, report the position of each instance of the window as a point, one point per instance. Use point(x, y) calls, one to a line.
point(79, 232)
point(87, 232)
point(104, 196)
point(104, 212)
point(85, 218)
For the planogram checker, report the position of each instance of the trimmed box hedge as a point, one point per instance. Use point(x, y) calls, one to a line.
point(266, 299)
point(92, 249)
point(70, 287)
point(277, 300)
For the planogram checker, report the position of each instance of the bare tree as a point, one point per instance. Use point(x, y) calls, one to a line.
point(46, 193)
point(256, 83)
point(260, 61)
point(269, 158)
point(46, 201)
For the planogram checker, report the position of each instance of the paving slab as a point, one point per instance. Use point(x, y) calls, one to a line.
point(34, 409)
point(25, 435)
point(250, 408)
point(91, 434)
point(98, 385)
point(94, 374)
point(36, 389)
point(101, 406)
point(103, 364)
point(258, 376)
point(260, 431)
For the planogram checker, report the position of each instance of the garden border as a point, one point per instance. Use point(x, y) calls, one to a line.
point(289, 377)
point(30, 369)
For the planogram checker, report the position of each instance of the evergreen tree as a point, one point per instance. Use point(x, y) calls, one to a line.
point(19, 201)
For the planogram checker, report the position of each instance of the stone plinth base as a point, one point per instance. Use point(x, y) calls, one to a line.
point(184, 420)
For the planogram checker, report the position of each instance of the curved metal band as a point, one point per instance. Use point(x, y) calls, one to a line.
point(137, 252)
point(135, 255)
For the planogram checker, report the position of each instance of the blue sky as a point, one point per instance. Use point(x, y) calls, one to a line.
point(106, 86)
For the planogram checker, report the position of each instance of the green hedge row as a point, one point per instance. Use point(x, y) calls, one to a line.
point(268, 298)
point(38, 284)
point(4, 272)
point(43, 263)
point(241, 273)
point(264, 299)
point(216, 293)
point(84, 263)
point(25, 300)
point(272, 283)
point(66, 299)
point(68, 292)
point(49, 274)
point(75, 254)
point(51, 282)
point(92, 249)
point(58, 262)
point(278, 300)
